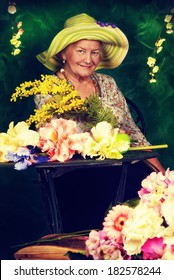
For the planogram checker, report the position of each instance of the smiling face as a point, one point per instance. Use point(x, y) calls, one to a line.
point(82, 57)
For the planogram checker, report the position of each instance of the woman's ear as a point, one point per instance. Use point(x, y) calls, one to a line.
point(63, 55)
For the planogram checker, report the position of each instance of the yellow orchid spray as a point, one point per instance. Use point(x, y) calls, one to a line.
point(17, 30)
point(151, 61)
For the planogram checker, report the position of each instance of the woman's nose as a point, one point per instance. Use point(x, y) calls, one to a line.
point(88, 58)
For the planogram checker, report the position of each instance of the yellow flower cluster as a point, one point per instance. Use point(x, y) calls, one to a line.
point(56, 106)
point(60, 98)
point(159, 46)
point(47, 85)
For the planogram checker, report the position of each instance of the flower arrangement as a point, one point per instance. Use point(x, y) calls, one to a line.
point(138, 229)
point(59, 140)
point(59, 135)
point(59, 99)
point(145, 231)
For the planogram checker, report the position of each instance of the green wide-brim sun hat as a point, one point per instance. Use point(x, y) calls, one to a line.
point(83, 26)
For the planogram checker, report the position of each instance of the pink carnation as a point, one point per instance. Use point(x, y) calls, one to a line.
point(101, 247)
point(61, 140)
point(156, 188)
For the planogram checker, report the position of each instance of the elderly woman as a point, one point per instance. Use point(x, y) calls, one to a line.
point(83, 46)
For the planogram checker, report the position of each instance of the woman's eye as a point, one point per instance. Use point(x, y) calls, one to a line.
point(81, 51)
point(95, 53)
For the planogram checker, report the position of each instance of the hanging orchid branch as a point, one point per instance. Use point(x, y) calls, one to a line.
point(17, 31)
point(159, 45)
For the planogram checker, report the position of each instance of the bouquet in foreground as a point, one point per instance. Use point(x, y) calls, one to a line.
point(141, 229)
point(142, 232)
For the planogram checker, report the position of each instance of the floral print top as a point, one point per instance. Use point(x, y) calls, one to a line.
point(113, 98)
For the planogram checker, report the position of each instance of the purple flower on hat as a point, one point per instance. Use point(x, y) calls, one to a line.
point(105, 24)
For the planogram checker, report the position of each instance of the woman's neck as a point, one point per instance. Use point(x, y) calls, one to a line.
point(74, 78)
point(85, 86)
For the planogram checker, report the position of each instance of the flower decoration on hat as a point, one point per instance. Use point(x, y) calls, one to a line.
point(103, 24)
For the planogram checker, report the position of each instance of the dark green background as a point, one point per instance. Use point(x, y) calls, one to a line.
point(21, 207)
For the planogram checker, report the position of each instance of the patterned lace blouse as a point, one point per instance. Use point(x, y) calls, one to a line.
point(113, 98)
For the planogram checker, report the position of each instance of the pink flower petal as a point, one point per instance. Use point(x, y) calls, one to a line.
point(153, 249)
